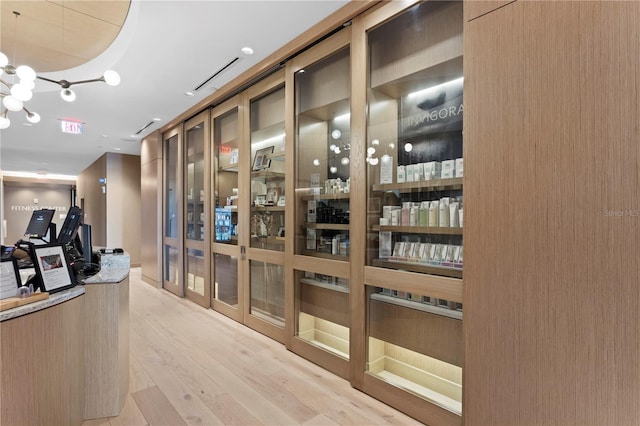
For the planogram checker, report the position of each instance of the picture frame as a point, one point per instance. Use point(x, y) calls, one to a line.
point(52, 266)
point(272, 196)
point(281, 201)
point(261, 161)
point(260, 200)
point(9, 278)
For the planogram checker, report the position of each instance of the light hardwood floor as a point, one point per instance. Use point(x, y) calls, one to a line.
point(193, 366)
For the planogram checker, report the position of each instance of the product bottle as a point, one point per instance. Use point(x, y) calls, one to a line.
point(444, 215)
point(424, 213)
point(453, 215)
point(433, 213)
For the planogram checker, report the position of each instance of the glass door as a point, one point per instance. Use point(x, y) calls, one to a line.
point(196, 247)
point(172, 196)
point(267, 198)
point(226, 198)
point(414, 161)
point(321, 79)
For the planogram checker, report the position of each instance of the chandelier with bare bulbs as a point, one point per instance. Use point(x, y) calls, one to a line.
point(17, 84)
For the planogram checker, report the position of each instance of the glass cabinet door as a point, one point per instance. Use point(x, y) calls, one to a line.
point(196, 262)
point(322, 99)
point(415, 202)
point(172, 192)
point(226, 129)
point(323, 149)
point(267, 197)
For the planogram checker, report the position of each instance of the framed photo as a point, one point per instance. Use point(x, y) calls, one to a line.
point(281, 201)
point(51, 263)
point(9, 278)
point(272, 196)
point(260, 200)
point(262, 161)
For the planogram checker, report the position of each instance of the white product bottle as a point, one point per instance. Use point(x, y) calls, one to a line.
point(433, 213)
point(460, 217)
point(453, 215)
point(444, 215)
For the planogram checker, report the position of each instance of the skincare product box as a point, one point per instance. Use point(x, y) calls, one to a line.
point(384, 250)
point(401, 174)
point(409, 173)
point(448, 165)
point(311, 211)
point(418, 172)
point(459, 167)
point(386, 170)
point(432, 170)
point(448, 173)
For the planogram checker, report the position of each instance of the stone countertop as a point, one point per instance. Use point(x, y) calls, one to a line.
point(108, 276)
point(54, 299)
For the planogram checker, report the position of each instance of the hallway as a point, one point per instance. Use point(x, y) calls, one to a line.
point(191, 366)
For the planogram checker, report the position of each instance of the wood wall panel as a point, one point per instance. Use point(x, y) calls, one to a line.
point(552, 158)
point(476, 8)
point(151, 209)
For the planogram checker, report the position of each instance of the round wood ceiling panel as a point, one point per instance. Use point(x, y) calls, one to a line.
point(57, 35)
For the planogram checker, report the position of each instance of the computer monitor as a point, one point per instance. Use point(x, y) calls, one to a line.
point(69, 228)
point(39, 224)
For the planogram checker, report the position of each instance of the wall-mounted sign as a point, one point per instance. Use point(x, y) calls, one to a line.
point(73, 127)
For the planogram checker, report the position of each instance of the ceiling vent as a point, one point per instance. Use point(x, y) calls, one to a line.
point(145, 127)
point(217, 73)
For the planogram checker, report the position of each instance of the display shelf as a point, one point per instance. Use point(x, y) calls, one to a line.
point(326, 226)
point(433, 230)
point(419, 390)
point(324, 284)
point(267, 208)
point(267, 175)
point(418, 267)
point(424, 185)
point(330, 197)
point(228, 168)
point(269, 240)
point(424, 307)
point(324, 255)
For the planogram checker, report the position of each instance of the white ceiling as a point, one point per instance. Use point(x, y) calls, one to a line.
point(165, 48)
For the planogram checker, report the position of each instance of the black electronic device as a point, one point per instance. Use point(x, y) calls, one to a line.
point(70, 226)
point(39, 224)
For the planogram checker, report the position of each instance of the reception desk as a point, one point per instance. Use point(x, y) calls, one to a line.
point(66, 359)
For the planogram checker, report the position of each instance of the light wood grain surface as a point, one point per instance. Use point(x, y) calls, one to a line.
point(191, 365)
point(551, 272)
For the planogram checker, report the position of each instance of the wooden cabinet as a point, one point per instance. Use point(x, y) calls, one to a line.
point(227, 207)
point(414, 253)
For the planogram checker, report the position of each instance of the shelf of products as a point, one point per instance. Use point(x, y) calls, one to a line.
point(323, 164)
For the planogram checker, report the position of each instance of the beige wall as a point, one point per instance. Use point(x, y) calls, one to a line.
point(114, 214)
point(19, 203)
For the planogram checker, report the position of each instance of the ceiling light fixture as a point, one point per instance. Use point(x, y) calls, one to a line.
point(21, 91)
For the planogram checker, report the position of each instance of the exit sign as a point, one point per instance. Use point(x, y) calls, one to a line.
point(73, 127)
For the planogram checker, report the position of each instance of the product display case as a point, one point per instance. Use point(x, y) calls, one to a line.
point(323, 148)
point(321, 82)
point(173, 230)
point(414, 258)
point(226, 131)
point(266, 198)
point(197, 287)
point(268, 171)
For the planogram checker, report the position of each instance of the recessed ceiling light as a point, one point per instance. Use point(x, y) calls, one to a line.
point(157, 119)
point(104, 135)
point(117, 149)
point(27, 124)
point(189, 93)
point(247, 50)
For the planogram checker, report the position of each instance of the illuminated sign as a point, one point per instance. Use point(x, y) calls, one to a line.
point(73, 127)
